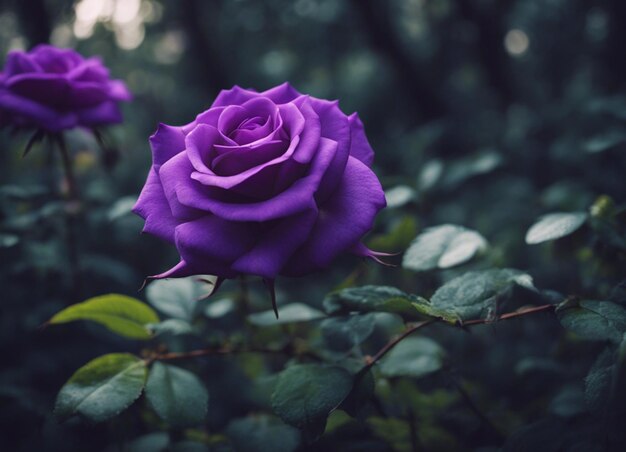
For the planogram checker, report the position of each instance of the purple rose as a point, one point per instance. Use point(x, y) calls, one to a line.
point(267, 184)
point(56, 89)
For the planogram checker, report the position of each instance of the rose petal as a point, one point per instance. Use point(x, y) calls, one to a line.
point(51, 90)
point(311, 131)
point(29, 112)
point(166, 142)
point(251, 130)
point(211, 238)
point(119, 91)
point(199, 145)
point(336, 126)
point(360, 147)
point(293, 200)
point(275, 247)
point(342, 221)
point(175, 174)
point(281, 94)
point(180, 270)
point(55, 60)
point(208, 117)
point(19, 62)
point(90, 70)
point(86, 94)
point(153, 207)
point(104, 113)
point(234, 96)
point(245, 157)
point(230, 118)
point(229, 182)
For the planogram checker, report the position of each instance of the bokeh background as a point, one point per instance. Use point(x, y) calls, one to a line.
point(483, 113)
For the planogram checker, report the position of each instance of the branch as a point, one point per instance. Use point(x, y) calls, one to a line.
point(224, 350)
point(206, 352)
point(371, 360)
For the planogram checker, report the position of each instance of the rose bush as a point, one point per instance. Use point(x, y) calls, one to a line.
point(271, 183)
point(56, 89)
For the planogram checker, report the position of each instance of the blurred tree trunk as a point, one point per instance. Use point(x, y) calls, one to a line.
point(615, 44)
point(490, 23)
point(34, 19)
point(414, 80)
point(203, 42)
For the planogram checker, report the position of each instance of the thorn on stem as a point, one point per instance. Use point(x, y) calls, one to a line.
point(37, 137)
point(269, 283)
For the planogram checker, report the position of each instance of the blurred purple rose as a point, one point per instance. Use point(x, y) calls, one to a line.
point(267, 184)
point(56, 89)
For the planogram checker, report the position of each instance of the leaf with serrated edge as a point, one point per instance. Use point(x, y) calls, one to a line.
point(103, 387)
point(594, 320)
point(554, 226)
point(177, 395)
point(121, 314)
point(291, 313)
point(307, 393)
point(413, 357)
point(443, 246)
point(473, 294)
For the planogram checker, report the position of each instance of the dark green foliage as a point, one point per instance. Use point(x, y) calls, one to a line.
point(477, 139)
point(102, 388)
point(305, 394)
point(176, 395)
point(479, 294)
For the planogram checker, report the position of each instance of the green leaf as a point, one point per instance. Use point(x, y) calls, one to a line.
point(594, 320)
point(306, 394)
point(394, 431)
point(598, 383)
point(461, 170)
point(103, 387)
point(262, 433)
point(554, 226)
point(443, 247)
point(399, 196)
point(176, 395)
point(476, 294)
point(121, 207)
point(157, 441)
point(8, 240)
point(605, 394)
point(121, 314)
point(171, 326)
point(343, 333)
point(219, 308)
point(384, 299)
point(398, 238)
point(361, 393)
point(606, 141)
point(177, 297)
point(413, 357)
point(291, 313)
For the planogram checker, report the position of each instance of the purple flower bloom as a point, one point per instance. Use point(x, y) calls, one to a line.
point(56, 89)
point(267, 184)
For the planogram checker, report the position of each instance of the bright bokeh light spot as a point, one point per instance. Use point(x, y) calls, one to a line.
point(126, 11)
point(516, 42)
point(125, 18)
point(170, 47)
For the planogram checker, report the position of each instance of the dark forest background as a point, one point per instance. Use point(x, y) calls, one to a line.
point(486, 114)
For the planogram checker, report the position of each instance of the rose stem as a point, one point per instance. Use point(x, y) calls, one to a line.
point(72, 198)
